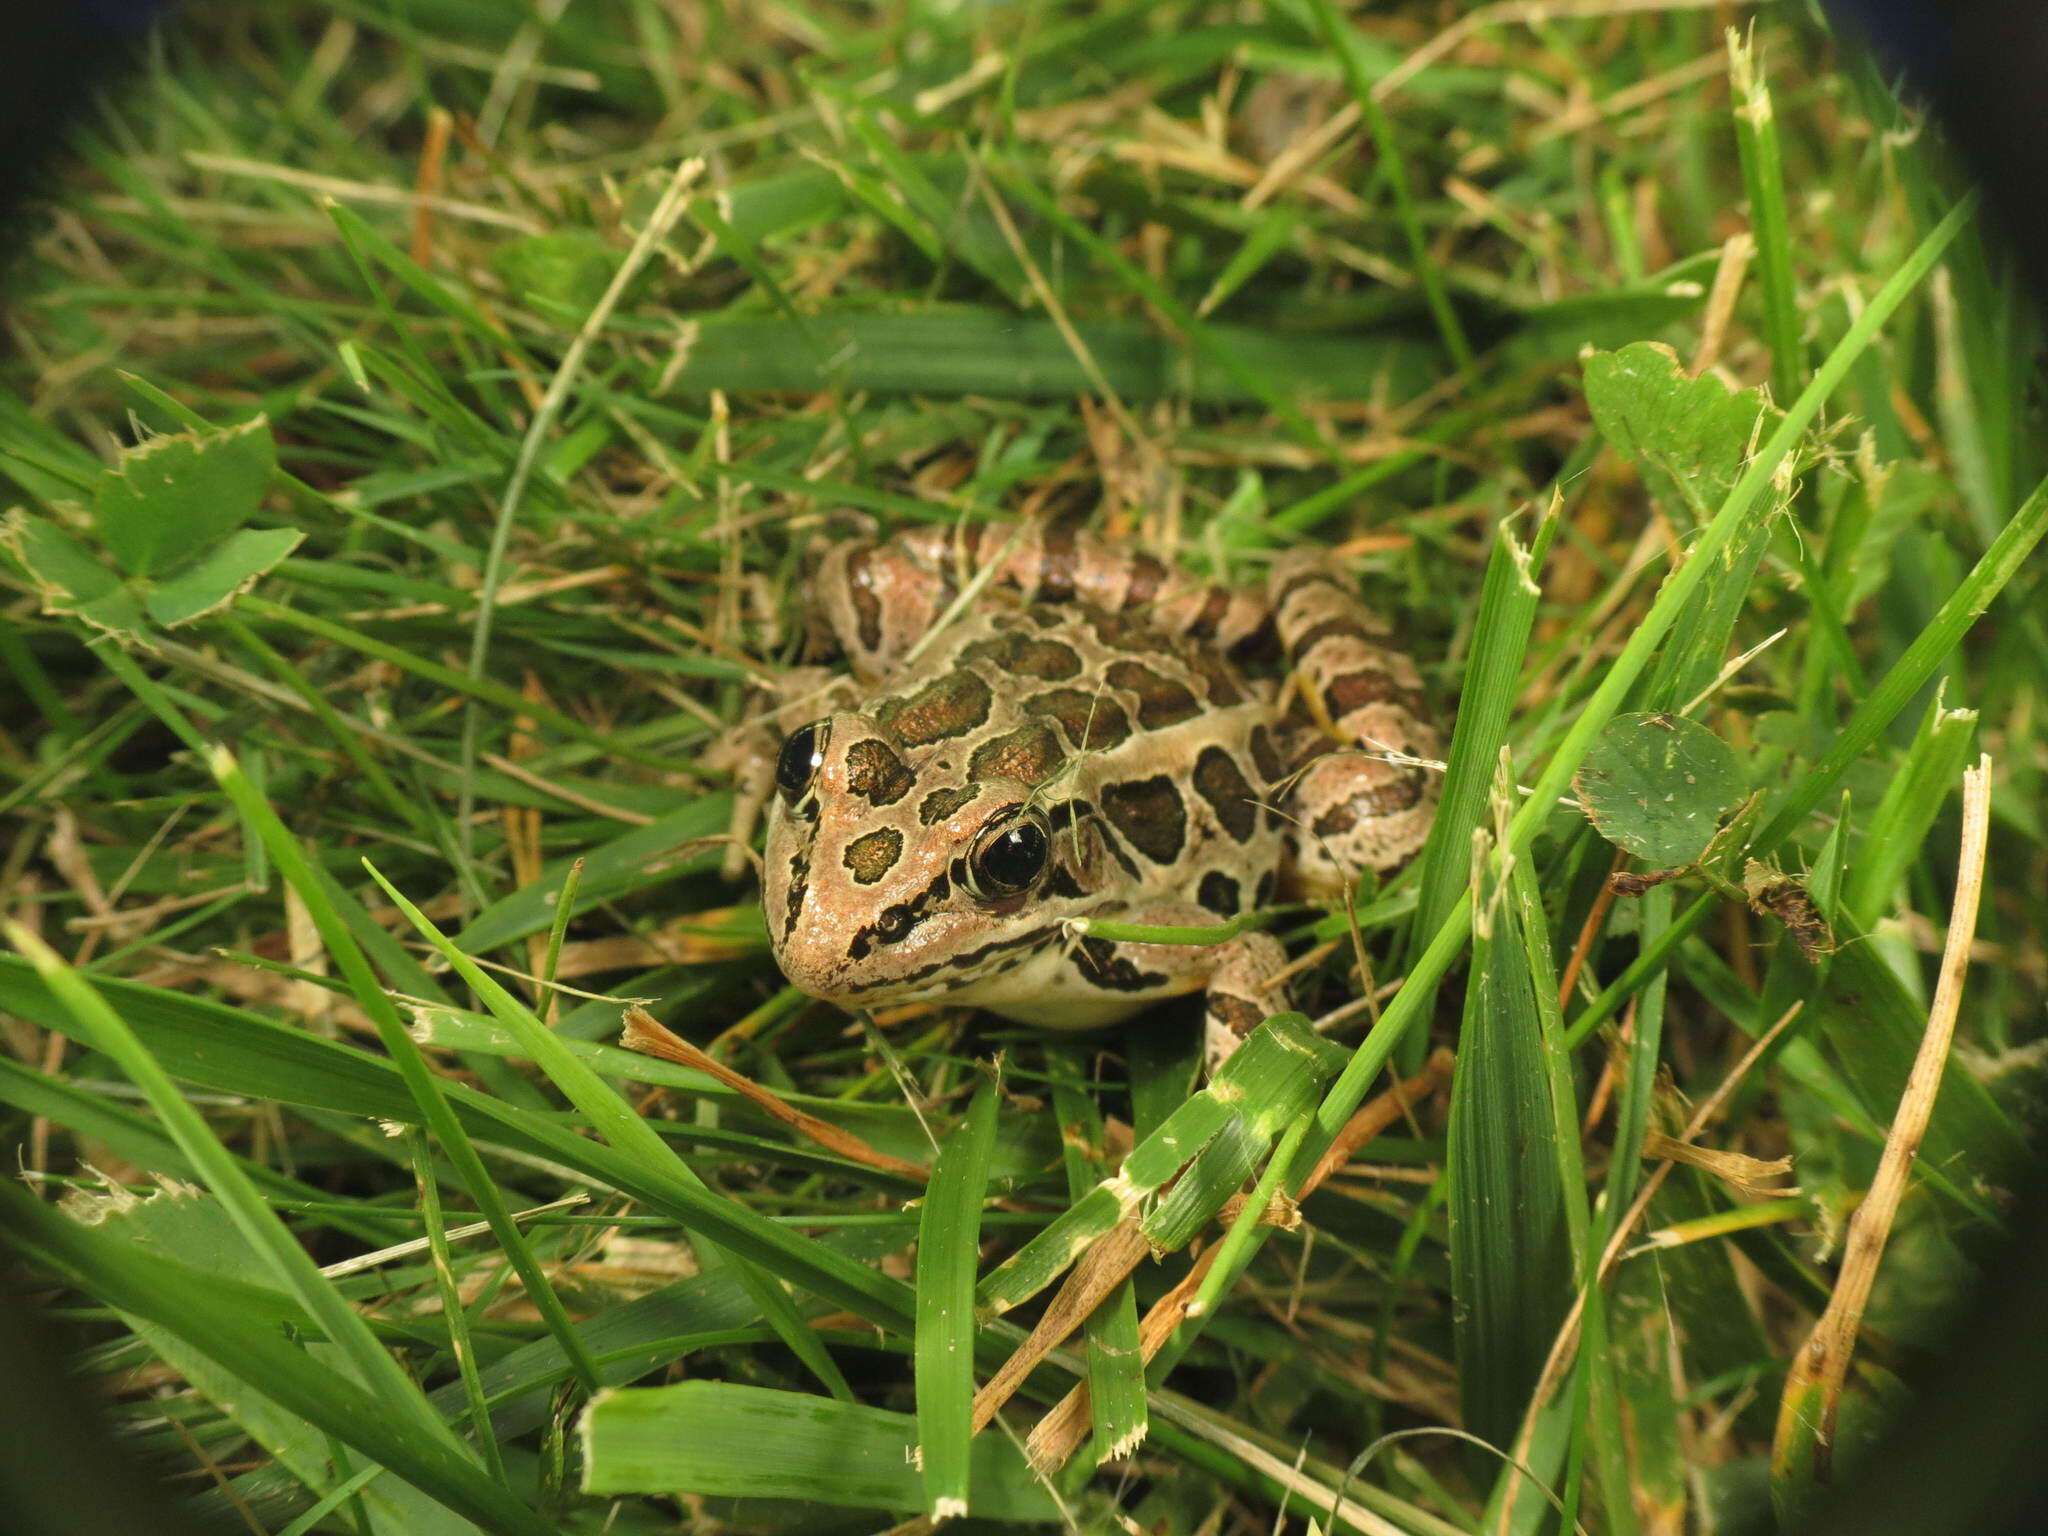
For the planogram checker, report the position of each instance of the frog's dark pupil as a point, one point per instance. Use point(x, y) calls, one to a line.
point(802, 755)
point(1012, 859)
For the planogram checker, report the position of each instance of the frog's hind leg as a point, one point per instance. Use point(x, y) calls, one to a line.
point(876, 601)
point(1363, 802)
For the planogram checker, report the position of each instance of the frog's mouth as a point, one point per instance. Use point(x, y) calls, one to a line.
point(856, 966)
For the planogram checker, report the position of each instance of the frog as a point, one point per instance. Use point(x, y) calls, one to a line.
point(1036, 729)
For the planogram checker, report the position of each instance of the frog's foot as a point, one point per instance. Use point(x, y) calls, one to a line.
point(748, 751)
point(1368, 796)
point(1244, 991)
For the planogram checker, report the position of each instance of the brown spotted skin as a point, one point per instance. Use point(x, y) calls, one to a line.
point(1116, 700)
point(978, 734)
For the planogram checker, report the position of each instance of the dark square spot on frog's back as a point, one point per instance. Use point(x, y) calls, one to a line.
point(1223, 687)
point(1030, 754)
point(1091, 721)
point(1219, 893)
point(1355, 690)
point(1161, 700)
point(1149, 815)
point(1221, 782)
point(944, 708)
point(1025, 655)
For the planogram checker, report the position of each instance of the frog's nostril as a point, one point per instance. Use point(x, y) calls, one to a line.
point(892, 923)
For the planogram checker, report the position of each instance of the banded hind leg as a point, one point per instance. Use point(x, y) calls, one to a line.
point(1362, 802)
point(876, 601)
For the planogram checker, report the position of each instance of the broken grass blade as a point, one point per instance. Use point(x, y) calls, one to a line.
point(1116, 1372)
point(1279, 1062)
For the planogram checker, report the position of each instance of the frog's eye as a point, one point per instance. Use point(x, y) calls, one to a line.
point(801, 758)
point(1010, 853)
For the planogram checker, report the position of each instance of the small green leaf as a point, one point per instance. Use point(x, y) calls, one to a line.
point(174, 497)
point(1689, 437)
point(67, 577)
point(1656, 785)
point(229, 568)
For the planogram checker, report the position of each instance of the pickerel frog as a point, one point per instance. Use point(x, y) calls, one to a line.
point(1087, 738)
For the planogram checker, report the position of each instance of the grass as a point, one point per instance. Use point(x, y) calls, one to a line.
point(573, 329)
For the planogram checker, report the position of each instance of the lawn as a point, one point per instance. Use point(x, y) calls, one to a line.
point(420, 416)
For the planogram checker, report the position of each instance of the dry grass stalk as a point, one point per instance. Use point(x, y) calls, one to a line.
point(1736, 252)
point(1105, 1266)
point(1823, 1361)
point(645, 1033)
point(1755, 1177)
point(1055, 1438)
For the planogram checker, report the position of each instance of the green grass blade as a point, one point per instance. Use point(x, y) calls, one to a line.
point(1919, 663)
point(1763, 174)
point(1510, 1254)
point(1916, 667)
point(1401, 1013)
point(1508, 601)
point(1914, 797)
point(717, 1438)
point(422, 1085)
point(1342, 41)
point(948, 1253)
point(453, 1310)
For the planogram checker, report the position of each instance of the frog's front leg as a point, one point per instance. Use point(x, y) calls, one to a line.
point(1240, 978)
point(1245, 989)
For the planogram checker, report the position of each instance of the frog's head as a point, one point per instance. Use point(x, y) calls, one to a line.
point(895, 874)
